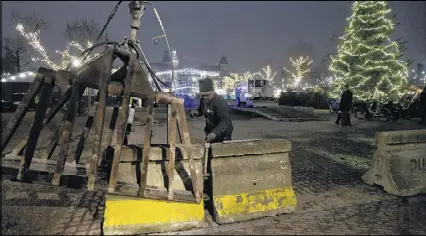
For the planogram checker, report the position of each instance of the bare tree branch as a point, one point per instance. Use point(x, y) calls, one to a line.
point(82, 31)
point(16, 46)
point(301, 66)
point(31, 21)
point(7, 49)
point(301, 48)
point(26, 63)
point(8, 59)
point(8, 63)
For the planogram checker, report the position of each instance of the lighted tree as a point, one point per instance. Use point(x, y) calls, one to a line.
point(367, 59)
point(16, 53)
point(267, 74)
point(33, 39)
point(234, 78)
point(301, 66)
point(228, 83)
point(81, 31)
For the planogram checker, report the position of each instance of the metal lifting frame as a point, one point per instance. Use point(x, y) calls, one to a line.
point(130, 80)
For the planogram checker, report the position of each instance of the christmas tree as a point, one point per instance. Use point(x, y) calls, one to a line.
point(367, 59)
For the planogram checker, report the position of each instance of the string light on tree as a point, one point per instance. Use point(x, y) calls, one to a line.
point(267, 74)
point(301, 66)
point(33, 39)
point(234, 78)
point(328, 81)
point(368, 60)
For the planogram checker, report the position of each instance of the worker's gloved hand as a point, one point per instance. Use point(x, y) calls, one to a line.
point(210, 137)
point(194, 113)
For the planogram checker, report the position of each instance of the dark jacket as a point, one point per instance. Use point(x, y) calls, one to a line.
point(346, 101)
point(422, 102)
point(218, 119)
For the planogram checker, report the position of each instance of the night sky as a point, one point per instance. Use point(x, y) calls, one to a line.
point(250, 34)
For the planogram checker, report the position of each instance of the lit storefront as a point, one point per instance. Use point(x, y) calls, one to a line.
point(185, 82)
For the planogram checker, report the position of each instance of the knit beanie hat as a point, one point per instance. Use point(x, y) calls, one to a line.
point(205, 86)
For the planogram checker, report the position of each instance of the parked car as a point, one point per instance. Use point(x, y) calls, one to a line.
point(13, 100)
point(7, 105)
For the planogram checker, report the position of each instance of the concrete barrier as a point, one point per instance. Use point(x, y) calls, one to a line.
point(134, 215)
point(251, 179)
point(399, 163)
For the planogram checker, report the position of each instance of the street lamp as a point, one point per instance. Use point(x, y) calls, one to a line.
point(76, 63)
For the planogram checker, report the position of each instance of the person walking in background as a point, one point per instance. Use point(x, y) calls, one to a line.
point(339, 117)
point(334, 106)
point(422, 106)
point(345, 107)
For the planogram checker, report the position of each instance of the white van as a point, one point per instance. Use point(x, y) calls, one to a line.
point(253, 89)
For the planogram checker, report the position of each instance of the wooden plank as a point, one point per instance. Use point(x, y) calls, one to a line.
point(123, 115)
point(49, 166)
point(152, 192)
point(169, 114)
point(86, 130)
point(66, 132)
point(110, 131)
point(172, 149)
point(56, 136)
point(198, 192)
point(37, 125)
point(147, 145)
point(49, 116)
point(99, 70)
point(20, 112)
point(159, 152)
point(54, 139)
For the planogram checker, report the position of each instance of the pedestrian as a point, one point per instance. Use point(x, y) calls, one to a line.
point(215, 109)
point(345, 106)
point(339, 116)
point(335, 107)
point(422, 106)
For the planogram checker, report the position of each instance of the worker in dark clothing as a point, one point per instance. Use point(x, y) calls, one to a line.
point(215, 109)
point(345, 107)
point(422, 106)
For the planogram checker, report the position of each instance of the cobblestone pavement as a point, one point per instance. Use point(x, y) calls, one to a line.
point(327, 164)
point(394, 216)
point(42, 209)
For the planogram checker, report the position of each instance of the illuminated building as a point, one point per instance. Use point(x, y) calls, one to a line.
point(221, 68)
point(186, 79)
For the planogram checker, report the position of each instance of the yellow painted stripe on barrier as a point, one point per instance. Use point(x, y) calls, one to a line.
point(128, 211)
point(254, 202)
